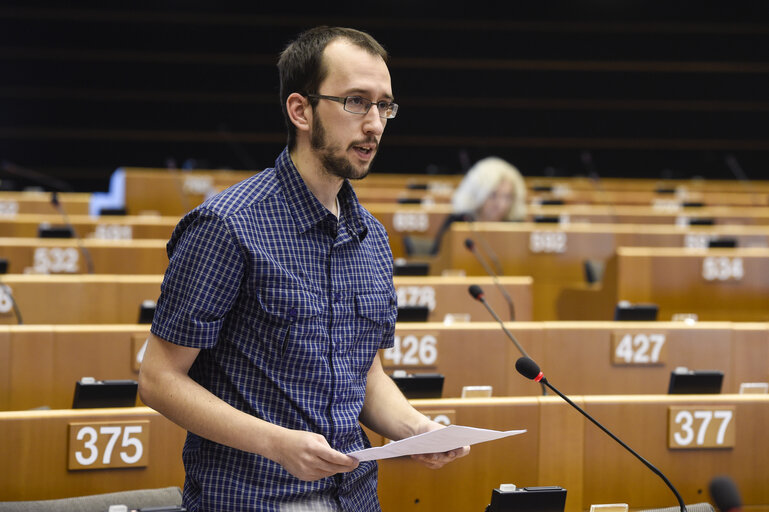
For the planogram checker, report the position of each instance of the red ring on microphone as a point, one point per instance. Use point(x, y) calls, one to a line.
point(539, 377)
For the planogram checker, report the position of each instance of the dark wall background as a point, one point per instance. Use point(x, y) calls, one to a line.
point(616, 88)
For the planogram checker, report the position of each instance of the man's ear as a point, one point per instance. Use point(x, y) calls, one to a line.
point(299, 111)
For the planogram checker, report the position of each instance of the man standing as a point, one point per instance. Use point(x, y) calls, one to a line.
point(277, 298)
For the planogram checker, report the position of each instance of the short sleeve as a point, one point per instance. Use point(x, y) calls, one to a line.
point(201, 283)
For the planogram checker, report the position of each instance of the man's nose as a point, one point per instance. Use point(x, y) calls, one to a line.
point(372, 122)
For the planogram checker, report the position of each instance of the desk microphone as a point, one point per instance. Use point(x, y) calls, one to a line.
point(477, 294)
point(79, 241)
point(473, 249)
point(724, 493)
point(487, 248)
point(739, 173)
point(529, 369)
point(587, 160)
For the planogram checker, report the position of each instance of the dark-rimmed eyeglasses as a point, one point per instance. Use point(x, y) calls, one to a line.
point(358, 105)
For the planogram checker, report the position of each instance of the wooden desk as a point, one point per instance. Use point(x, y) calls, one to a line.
point(554, 255)
point(40, 364)
point(18, 203)
point(715, 284)
point(55, 256)
point(111, 227)
point(648, 191)
point(612, 475)
point(676, 186)
point(576, 455)
point(467, 483)
point(559, 448)
point(78, 298)
point(587, 358)
point(34, 446)
point(674, 215)
point(402, 220)
point(116, 299)
point(445, 295)
point(174, 192)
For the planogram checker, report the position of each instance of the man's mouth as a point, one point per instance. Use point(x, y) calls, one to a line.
point(364, 148)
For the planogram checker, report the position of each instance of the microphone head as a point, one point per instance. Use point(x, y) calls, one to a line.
point(528, 368)
point(476, 291)
point(724, 493)
point(469, 243)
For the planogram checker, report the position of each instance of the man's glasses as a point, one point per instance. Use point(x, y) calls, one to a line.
point(358, 105)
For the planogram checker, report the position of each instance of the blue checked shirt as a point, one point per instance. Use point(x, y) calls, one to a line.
point(289, 306)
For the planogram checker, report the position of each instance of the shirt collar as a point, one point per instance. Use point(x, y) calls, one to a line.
point(307, 209)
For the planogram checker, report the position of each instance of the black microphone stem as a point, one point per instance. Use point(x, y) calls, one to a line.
point(79, 241)
point(473, 249)
point(648, 464)
point(509, 335)
point(14, 305)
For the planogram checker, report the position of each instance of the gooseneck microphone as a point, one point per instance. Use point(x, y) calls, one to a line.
point(79, 241)
point(473, 249)
point(529, 369)
point(477, 293)
point(724, 493)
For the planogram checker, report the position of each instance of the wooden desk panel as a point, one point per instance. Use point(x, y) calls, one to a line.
point(34, 446)
point(174, 192)
point(16, 203)
point(449, 295)
point(402, 220)
point(514, 246)
point(579, 356)
point(64, 256)
point(750, 355)
point(612, 475)
point(477, 354)
point(45, 361)
point(673, 216)
point(554, 255)
point(679, 186)
point(715, 284)
point(467, 483)
point(111, 227)
point(115, 299)
point(559, 448)
point(80, 298)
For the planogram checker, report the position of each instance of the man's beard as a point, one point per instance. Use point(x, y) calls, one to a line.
point(333, 164)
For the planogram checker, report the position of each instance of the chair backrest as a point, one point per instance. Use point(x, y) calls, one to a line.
point(167, 496)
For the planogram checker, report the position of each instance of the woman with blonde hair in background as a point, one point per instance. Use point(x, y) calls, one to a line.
point(491, 191)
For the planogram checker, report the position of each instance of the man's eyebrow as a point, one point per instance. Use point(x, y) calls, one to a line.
point(364, 92)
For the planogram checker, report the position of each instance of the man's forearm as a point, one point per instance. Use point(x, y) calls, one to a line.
point(386, 411)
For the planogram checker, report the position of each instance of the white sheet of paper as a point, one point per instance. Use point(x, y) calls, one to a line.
point(437, 441)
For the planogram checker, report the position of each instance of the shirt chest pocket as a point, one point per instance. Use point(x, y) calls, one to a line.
point(289, 320)
point(375, 324)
